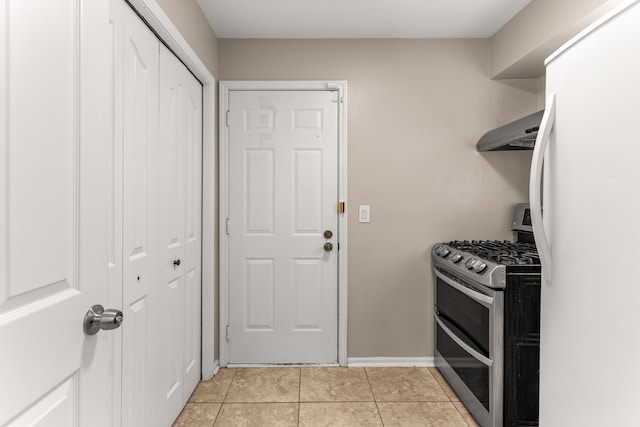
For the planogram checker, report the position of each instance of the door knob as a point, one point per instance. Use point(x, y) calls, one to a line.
point(176, 263)
point(328, 234)
point(328, 247)
point(98, 318)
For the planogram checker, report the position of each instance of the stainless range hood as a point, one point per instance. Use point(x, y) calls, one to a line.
point(518, 135)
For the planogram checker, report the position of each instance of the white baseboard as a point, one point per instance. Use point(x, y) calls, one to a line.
point(389, 362)
point(352, 362)
point(287, 365)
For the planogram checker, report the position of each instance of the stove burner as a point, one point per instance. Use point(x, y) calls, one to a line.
point(503, 252)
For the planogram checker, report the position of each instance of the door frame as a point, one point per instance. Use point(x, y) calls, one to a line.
point(168, 34)
point(339, 86)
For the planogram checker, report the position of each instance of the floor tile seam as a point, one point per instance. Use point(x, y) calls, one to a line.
point(235, 372)
point(299, 394)
point(196, 404)
point(366, 374)
point(374, 397)
point(439, 384)
point(461, 414)
point(217, 415)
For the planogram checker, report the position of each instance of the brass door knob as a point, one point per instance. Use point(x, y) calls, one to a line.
point(328, 247)
point(328, 234)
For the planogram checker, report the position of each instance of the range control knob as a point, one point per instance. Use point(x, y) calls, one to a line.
point(441, 251)
point(471, 263)
point(456, 257)
point(479, 267)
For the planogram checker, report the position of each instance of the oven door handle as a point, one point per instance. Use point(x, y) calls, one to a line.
point(476, 296)
point(480, 357)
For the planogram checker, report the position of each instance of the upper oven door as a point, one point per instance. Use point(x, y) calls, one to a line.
point(464, 310)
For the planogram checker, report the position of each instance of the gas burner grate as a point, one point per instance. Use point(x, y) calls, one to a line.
point(500, 251)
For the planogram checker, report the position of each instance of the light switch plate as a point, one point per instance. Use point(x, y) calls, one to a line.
point(364, 213)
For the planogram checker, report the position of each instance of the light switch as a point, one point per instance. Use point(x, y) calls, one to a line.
point(364, 213)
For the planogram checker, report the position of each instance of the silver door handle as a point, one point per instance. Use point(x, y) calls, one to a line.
point(484, 360)
point(483, 299)
point(98, 318)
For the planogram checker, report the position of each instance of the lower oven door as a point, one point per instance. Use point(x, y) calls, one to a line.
point(469, 344)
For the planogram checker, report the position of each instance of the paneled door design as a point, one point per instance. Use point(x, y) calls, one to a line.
point(179, 284)
point(53, 213)
point(140, 59)
point(283, 196)
point(155, 220)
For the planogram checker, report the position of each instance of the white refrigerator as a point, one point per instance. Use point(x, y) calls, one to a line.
point(585, 208)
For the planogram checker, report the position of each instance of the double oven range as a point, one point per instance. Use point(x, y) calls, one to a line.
point(487, 324)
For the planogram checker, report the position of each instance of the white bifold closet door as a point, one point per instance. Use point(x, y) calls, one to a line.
point(179, 238)
point(139, 218)
point(156, 221)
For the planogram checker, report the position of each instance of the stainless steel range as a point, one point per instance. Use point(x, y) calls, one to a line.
point(487, 324)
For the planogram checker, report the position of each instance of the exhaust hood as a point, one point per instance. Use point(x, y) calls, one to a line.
point(517, 135)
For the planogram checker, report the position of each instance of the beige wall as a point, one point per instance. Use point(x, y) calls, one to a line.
point(519, 49)
point(416, 111)
point(187, 16)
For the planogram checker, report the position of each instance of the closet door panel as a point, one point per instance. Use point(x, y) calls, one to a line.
point(180, 157)
point(114, 202)
point(193, 232)
point(140, 191)
point(171, 232)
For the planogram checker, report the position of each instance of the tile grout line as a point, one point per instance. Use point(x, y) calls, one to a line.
point(449, 397)
point(369, 382)
point(374, 396)
point(225, 396)
point(440, 385)
point(299, 395)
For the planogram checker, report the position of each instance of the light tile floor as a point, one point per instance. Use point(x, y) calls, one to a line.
point(352, 397)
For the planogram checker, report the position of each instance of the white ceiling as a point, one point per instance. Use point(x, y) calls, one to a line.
point(359, 18)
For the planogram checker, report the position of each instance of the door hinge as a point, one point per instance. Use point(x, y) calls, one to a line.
point(228, 114)
point(227, 333)
point(226, 226)
point(341, 207)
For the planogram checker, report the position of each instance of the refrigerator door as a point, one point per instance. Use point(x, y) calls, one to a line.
point(590, 314)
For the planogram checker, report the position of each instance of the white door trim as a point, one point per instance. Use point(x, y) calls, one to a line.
point(167, 32)
point(341, 88)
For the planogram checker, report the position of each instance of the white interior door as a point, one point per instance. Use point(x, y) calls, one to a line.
point(283, 196)
point(53, 204)
point(179, 290)
point(140, 55)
